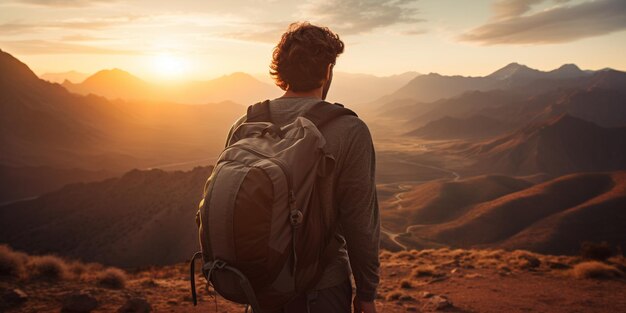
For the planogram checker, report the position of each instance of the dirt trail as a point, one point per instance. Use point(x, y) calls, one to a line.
point(406, 187)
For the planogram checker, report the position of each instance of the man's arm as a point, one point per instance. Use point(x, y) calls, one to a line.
point(358, 211)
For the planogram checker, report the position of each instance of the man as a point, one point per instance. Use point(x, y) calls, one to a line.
point(302, 65)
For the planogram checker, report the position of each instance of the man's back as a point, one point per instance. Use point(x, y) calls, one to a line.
point(350, 192)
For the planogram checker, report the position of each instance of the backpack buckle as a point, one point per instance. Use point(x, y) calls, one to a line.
point(296, 217)
point(219, 264)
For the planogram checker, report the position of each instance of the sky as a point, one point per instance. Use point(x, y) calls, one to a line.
point(191, 39)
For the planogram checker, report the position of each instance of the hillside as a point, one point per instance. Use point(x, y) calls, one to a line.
point(552, 217)
point(475, 126)
point(411, 281)
point(25, 182)
point(441, 201)
point(141, 218)
point(562, 145)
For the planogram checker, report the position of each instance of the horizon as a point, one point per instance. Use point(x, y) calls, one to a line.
point(189, 41)
point(260, 76)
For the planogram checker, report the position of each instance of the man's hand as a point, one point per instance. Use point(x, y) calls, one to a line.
point(363, 306)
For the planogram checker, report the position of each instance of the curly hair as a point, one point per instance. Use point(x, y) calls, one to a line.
point(301, 58)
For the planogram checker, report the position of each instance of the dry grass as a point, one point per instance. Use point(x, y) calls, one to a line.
point(47, 267)
point(113, 278)
point(595, 269)
point(12, 263)
point(405, 255)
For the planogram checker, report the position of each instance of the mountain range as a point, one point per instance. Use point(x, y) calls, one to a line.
point(347, 88)
point(517, 159)
point(147, 217)
point(433, 86)
point(118, 84)
point(47, 130)
point(499, 212)
point(42, 124)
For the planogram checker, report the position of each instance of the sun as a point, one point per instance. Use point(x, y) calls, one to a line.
point(168, 66)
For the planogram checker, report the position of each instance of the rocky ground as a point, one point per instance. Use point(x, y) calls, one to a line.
point(412, 281)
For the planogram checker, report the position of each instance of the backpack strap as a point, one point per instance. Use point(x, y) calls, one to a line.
point(324, 112)
point(259, 112)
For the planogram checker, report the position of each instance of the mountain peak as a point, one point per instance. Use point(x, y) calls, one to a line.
point(566, 71)
point(114, 75)
point(569, 67)
point(513, 69)
point(15, 69)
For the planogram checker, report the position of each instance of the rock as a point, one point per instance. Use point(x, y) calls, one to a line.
point(135, 305)
point(79, 302)
point(12, 298)
point(436, 303)
point(455, 270)
point(473, 275)
point(426, 294)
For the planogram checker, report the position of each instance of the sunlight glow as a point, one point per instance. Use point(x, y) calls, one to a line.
point(168, 66)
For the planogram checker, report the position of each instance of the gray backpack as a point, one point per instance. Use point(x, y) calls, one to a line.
point(261, 225)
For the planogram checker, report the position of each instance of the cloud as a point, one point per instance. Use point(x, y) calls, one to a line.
point(350, 17)
point(13, 28)
point(512, 8)
point(82, 38)
point(34, 47)
point(346, 17)
point(564, 23)
point(64, 3)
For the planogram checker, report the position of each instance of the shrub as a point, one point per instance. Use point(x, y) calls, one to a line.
point(11, 262)
point(113, 278)
point(47, 267)
point(595, 251)
point(595, 269)
point(77, 268)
